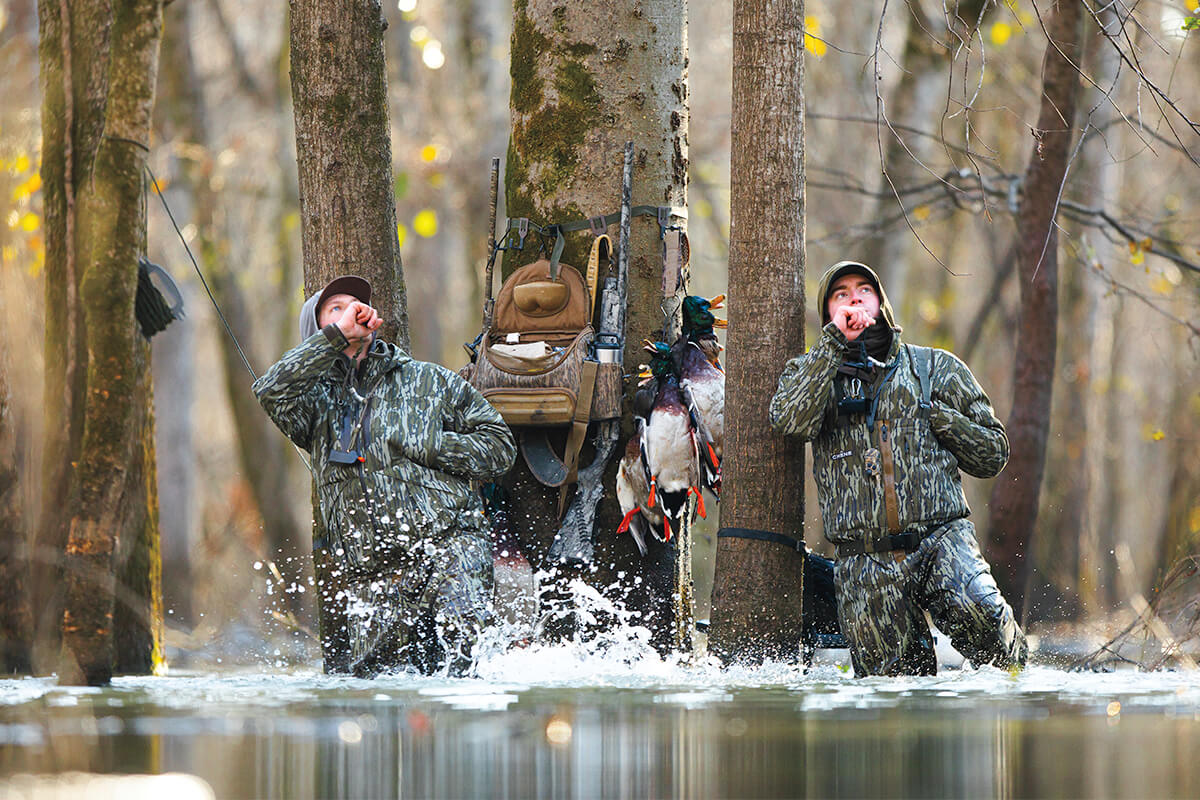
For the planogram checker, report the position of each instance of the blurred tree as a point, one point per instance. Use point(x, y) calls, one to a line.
point(582, 86)
point(1014, 504)
point(1069, 551)
point(98, 544)
point(263, 453)
point(16, 619)
point(347, 204)
point(757, 597)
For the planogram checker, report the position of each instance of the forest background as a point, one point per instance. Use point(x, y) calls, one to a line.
point(1121, 497)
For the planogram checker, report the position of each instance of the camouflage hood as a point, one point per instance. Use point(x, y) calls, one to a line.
point(844, 268)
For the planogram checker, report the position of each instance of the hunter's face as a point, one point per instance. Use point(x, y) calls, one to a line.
point(332, 309)
point(853, 290)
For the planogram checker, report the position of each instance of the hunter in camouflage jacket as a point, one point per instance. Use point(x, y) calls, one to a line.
point(406, 552)
point(891, 494)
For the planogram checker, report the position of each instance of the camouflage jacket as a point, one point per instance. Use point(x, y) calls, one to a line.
point(922, 450)
point(424, 434)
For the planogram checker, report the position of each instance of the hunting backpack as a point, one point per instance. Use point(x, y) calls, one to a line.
point(536, 361)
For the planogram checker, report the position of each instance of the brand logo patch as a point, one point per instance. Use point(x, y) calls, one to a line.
point(841, 455)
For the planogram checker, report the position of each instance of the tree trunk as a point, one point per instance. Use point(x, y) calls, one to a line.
point(1014, 504)
point(16, 619)
point(574, 104)
point(344, 153)
point(111, 602)
point(347, 200)
point(757, 586)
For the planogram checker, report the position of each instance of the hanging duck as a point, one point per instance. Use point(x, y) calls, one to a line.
point(697, 358)
point(659, 470)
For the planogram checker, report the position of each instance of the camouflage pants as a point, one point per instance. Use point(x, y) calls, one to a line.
point(882, 604)
point(424, 614)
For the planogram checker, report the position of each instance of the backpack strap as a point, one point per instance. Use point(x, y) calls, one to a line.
point(921, 359)
point(579, 426)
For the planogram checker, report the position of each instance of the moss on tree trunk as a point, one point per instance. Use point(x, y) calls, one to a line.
point(105, 514)
point(582, 85)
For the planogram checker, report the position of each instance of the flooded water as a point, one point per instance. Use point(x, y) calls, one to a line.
point(615, 722)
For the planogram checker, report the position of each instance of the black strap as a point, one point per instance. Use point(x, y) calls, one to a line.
point(521, 225)
point(762, 536)
point(907, 541)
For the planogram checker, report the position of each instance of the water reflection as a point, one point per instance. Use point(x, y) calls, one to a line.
point(967, 734)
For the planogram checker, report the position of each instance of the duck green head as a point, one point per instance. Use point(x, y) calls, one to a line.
point(661, 363)
point(698, 319)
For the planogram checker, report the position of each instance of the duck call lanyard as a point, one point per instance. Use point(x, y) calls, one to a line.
point(352, 433)
point(858, 402)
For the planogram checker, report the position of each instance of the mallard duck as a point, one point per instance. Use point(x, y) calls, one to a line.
point(659, 469)
point(697, 358)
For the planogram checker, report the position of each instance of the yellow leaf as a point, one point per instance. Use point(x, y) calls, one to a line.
point(1147, 243)
point(1158, 435)
point(425, 223)
point(1161, 285)
point(1192, 5)
point(437, 179)
point(1194, 519)
point(401, 233)
point(29, 223)
point(1001, 32)
point(8, 253)
point(429, 153)
point(922, 213)
point(27, 188)
point(812, 30)
point(22, 163)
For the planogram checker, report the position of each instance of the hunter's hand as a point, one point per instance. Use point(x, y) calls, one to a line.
point(358, 322)
point(852, 321)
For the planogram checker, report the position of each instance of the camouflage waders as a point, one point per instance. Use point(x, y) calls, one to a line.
point(404, 565)
point(882, 604)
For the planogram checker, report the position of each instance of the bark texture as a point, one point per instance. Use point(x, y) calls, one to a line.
point(1014, 503)
point(104, 537)
point(757, 588)
point(584, 82)
point(344, 153)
